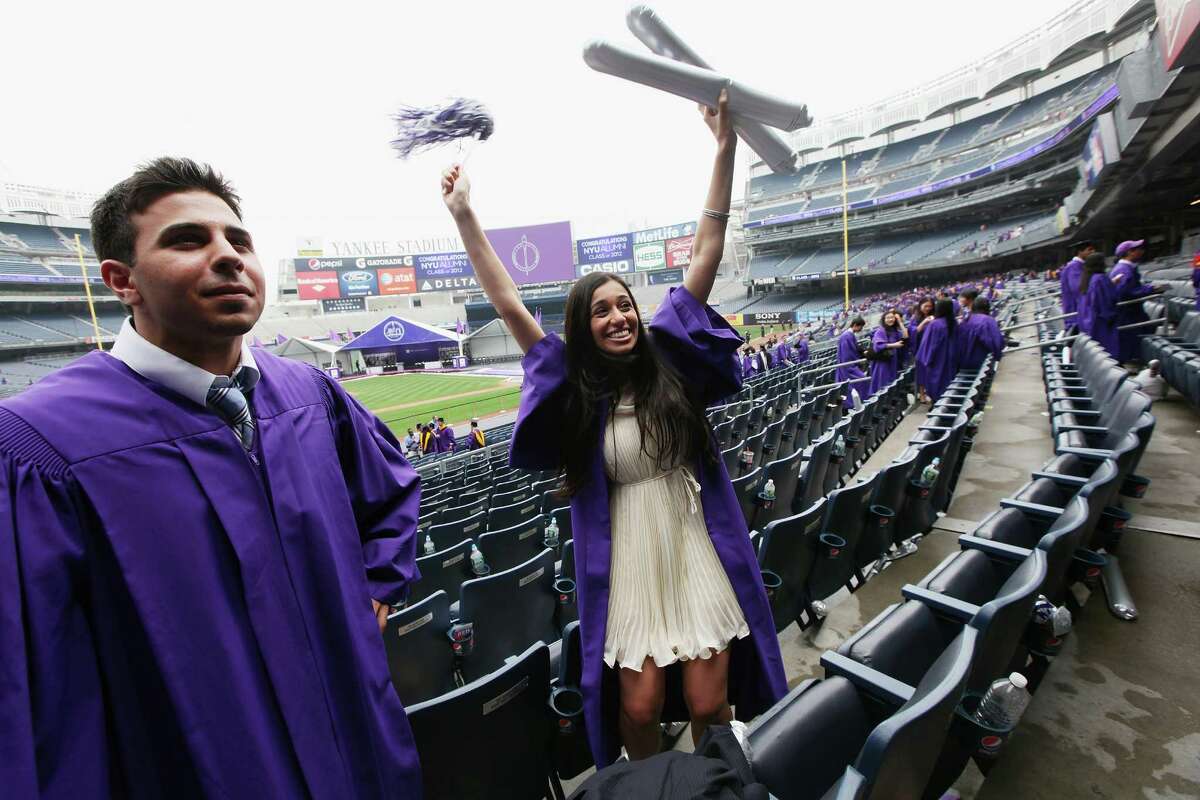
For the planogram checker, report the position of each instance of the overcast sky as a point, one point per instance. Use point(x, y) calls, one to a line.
point(293, 103)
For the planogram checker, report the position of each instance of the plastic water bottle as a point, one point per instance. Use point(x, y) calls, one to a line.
point(552, 533)
point(839, 447)
point(1043, 610)
point(929, 475)
point(769, 490)
point(1004, 702)
point(478, 565)
point(1061, 621)
point(976, 419)
point(429, 546)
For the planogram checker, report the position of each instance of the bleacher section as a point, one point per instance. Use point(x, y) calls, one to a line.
point(913, 162)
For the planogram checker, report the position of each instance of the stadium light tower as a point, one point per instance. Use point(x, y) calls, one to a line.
point(678, 69)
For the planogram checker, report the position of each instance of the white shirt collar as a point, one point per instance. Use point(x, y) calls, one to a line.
point(153, 363)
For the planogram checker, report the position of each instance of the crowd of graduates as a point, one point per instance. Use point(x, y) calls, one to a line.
point(435, 436)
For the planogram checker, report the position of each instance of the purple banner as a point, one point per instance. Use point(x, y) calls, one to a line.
point(535, 253)
point(1098, 105)
point(604, 249)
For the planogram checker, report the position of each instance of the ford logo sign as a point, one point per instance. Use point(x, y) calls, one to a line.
point(357, 277)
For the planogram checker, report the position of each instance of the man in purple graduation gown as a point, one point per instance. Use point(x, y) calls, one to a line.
point(1128, 279)
point(700, 345)
point(978, 335)
point(192, 585)
point(445, 436)
point(1068, 278)
point(885, 368)
point(801, 350)
point(848, 351)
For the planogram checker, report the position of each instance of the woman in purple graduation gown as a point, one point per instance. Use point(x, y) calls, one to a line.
point(937, 357)
point(889, 337)
point(851, 373)
point(664, 565)
point(1098, 311)
point(921, 319)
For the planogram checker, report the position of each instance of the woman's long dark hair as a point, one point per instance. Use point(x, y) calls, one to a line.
point(1092, 265)
point(945, 310)
point(667, 416)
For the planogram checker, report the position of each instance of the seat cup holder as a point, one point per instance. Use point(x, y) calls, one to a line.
point(564, 588)
point(771, 582)
point(984, 742)
point(1086, 566)
point(1135, 486)
point(566, 704)
point(832, 545)
point(1113, 522)
point(883, 515)
point(462, 638)
point(918, 488)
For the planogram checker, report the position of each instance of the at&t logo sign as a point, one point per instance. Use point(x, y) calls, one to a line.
point(393, 331)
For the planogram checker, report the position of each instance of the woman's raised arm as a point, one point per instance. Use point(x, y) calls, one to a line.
point(495, 280)
point(709, 244)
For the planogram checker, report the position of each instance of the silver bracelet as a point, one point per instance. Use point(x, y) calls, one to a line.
point(719, 216)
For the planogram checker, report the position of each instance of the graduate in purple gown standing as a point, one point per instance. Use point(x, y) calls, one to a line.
point(200, 540)
point(851, 374)
point(445, 436)
point(886, 342)
point(921, 318)
point(1068, 278)
point(801, 350)
point(1126, 275)
point(978, 336)
point(937, 357)
point(1099, 314)
point(619, 409)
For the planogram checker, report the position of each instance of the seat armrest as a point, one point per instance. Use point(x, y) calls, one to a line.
point(942, 604)
point(872, 681)
point(1082, 428)
point(1032, 509)
point(1000, 550)
point(1061, 479)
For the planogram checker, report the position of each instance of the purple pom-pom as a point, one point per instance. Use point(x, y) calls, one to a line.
point(422, 128)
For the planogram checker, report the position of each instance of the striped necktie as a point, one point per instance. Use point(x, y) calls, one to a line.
point(226, 398)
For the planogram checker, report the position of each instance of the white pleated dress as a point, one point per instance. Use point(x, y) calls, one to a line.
point(669, 597)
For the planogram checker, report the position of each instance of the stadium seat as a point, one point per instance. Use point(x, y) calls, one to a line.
point(466, 738)
point(891, 492)
point(502, 517)
point(419, 656)
point(444, 570)
point(811, 484)
point(747, 488)
point(789, 550)
point(444, 534)
point(506, 548)
point(508, 611)
point(846, 513)
point(784, 473)
point(501, 499)
point(468, 510)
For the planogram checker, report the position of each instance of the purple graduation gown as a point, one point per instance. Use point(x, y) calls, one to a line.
point(883, 371)
point(1068, 278)
point(801, 354)
point(446, 439)
point(977, 336)
point(1102, 315)
point(1129, 347)
point(936, 358)
point(177, 621)
point(700, 345)
point(848, 351)
point(914, 344)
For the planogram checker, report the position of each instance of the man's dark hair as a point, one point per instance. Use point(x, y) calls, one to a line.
point(969, 294)
point(113, 233)
point(1081, 245)
point(858, 320)
point(981, 306)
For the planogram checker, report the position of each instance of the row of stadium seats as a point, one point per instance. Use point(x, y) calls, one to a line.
point(1179, 353)
point(508, 612)
point(42, 238)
